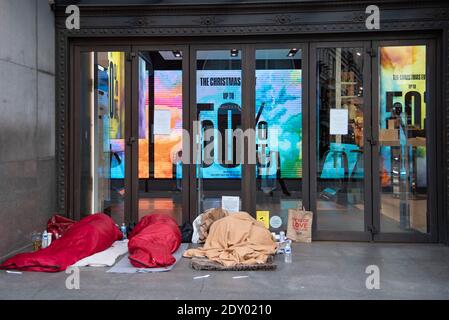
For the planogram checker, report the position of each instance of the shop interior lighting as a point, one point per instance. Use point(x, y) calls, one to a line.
point(292, 52)
point(177, 53)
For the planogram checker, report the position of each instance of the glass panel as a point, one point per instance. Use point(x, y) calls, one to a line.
point(402, 135)
point(160, 133)
point(102, 147)
point(340, 123)
point(278, 134)
point(218, 96)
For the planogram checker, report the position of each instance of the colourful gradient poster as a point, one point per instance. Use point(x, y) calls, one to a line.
point(144, 128)
point(219, 100)
point(280, 93)
point(402, 81)
point(116, 92)
point(168, 96)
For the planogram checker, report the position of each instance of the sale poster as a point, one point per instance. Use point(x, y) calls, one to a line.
point(402, 90)
point(403, 81)
point(279, 104)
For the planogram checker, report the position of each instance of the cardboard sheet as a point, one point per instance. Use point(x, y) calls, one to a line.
point(124, 266)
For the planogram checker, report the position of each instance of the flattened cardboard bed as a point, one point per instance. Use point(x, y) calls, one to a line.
point(124, 266)
point(208, 265)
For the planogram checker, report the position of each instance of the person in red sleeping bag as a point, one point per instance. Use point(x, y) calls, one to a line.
point(153, 241)
point(92, 234)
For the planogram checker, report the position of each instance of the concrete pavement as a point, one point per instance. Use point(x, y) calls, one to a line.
point(321, 270)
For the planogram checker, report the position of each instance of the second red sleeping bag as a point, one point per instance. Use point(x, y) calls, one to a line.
point(153, 241)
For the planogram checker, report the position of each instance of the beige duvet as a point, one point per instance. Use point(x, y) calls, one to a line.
point(236, 239)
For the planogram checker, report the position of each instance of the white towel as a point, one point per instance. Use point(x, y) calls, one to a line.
point(105, 258)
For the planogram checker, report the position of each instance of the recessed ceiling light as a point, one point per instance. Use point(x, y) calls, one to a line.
point(292, 52)
point(177, 53)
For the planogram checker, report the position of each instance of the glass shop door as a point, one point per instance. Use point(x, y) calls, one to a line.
point(101, 133)
point(404, 141)
point(217, 113)
point(372, 163)
point(340, 133)
point(279, 115)
point(160, 123)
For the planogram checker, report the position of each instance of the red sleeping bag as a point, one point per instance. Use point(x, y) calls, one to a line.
point(58, 225)
point(92, 234)
point(153, 241)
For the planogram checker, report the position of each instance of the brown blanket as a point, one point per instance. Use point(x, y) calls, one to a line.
point(236, 239)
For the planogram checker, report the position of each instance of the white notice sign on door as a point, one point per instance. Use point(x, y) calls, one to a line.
point(338, 119)
point(231, 204)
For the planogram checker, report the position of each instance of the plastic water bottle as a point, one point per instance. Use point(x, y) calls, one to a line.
point(123, 230)
point(45, 240)
point(49, 238)
point(288, 252)
point(282, 238)
point(282, 242)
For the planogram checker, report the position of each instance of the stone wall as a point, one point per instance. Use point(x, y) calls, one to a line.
point(27, 121)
